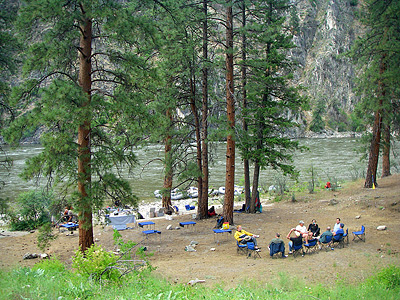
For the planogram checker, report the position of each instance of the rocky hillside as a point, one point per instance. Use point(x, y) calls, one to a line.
point(324, 30)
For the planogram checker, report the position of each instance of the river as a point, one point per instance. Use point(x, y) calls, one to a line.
point(330, 157)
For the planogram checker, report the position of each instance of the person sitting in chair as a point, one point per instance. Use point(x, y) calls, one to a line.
point(303, 231)
point(340, 230)
point(243, 237)
point(279, 245)
point(322, 238)
point(313, 227)
point(336, 227)
point(294, 241)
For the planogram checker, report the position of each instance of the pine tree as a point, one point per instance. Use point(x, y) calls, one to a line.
point(376, 54)
point(87, 76)
point(271, 99)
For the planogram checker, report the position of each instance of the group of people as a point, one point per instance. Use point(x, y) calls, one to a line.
point(68, 214)
point(300, 232)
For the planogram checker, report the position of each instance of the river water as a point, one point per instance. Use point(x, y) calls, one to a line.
point(330, 157)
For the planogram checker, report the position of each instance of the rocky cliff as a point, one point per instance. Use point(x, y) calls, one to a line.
point(324, 31)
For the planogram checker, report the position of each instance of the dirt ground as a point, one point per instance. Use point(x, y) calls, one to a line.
point(225, 267)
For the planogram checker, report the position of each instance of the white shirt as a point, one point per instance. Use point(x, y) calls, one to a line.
point(302, 229)
point(336, 227)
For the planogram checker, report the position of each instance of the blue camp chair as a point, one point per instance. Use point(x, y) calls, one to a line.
point(337, 239)
point(276, 248)
point(252, 251)
point(311, 246)
point(346, 236)
point(298, 249)
point(359, 234)
point(241, 248)
point(327, 242)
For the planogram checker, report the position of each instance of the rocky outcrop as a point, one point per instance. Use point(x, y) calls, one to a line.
point(325, 31)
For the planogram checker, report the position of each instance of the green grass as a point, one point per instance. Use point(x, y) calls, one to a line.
point(51, 280)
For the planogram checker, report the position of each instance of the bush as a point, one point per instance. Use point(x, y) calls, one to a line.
point(96, 263)
point(389, 278)
point(33, 210)
point(50, 265)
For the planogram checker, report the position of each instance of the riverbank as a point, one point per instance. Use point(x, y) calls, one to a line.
point(326, 133)
point(216, 260)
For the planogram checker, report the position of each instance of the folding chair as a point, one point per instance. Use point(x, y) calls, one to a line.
point(241, 248)
point(276, 249)
point(346, 236)
point(311, 246)
point(337, 239)
point(359, 234)
point(296, 250)
point(327, 242)
point(252, 251)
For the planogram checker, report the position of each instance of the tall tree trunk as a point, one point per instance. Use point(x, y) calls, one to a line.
point(203, 212)
point(256, 174)
point(246, 165)
point(230, 109)
point(84, 151)
point(198, 145)
point(370, 179)
point(167, 186)
point(256, 178)
point(386, 151)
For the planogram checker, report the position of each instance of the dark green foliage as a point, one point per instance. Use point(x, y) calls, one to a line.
point(317, 123)
point(376, 54)
point(32, 210)
point(272, 102)
point(353, 2)
point(51, 97)
point(9, 48)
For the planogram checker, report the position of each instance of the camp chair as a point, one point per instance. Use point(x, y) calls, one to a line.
point(327, 242)
point(241, 248)
point(275, 248)
point(311, 246)
point(359, 234)
point(337, 239)
point(346, 236)
point(296, 250)
point(252, 251)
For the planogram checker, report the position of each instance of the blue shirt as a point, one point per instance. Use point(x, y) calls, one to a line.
point(339, 231)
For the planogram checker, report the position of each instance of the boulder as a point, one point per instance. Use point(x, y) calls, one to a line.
point(333, 202)
point(381, 227)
